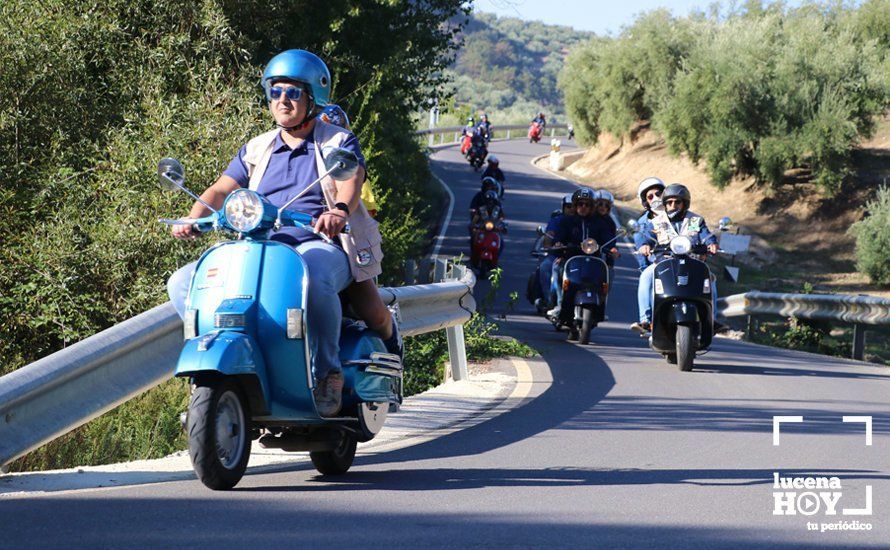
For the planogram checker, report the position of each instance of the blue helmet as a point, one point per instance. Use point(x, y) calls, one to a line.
point(300, 66)
point(334, 114)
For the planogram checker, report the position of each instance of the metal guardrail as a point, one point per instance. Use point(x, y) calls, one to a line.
point(54, 395)
point(506, 131)
point(857, 310)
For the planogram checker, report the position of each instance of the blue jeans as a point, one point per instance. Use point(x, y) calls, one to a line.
point(328, 274)
point(545, 277)
point(556, 279)
point(644, 293)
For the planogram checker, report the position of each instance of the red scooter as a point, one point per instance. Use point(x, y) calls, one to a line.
point(465, 144)
point(534, 132)
point(485, 249)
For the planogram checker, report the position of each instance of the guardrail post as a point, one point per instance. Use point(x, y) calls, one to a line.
point(509, 133)
point(432, 139)
point(423, 273)
point(858, 342)
point(457, 350)
point(439, 270)
point(552, 132)
point(410, 272)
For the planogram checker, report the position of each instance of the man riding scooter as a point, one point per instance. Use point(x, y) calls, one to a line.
point(486, 234)
point(604, 204)
point(493, 171)
point(479, 199)
point(649, 190)
point(485, 125)
point(572, 231)
point(674, 221)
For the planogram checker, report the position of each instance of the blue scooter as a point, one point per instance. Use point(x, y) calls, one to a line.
point(246, 349)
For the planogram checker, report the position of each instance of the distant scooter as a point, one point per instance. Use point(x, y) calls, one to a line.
point(486, 246)
point(247, 351)
point(476, 156)
point(534, 132)
point(682, 306)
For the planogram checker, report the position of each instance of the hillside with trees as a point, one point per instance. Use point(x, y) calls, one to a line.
point(775, 106)
point(509, 68)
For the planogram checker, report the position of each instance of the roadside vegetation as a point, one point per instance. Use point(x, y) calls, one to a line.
point(763, 90)
point(92, 95)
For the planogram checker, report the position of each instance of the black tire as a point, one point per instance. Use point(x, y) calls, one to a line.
point(685, 347)
point(338, 461)
point(671, 358)
point(586, 326)
point(484, 267)
point(219, 433)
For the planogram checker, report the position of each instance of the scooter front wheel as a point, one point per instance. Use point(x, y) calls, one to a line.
point(586, 325)
point(218, 433)
point(338, 461)
point(685, 347)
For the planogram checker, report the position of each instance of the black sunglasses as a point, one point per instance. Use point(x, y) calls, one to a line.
point(292, 93)
point(651, 195)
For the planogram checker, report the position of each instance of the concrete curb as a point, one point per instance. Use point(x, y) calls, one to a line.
point(445, 409)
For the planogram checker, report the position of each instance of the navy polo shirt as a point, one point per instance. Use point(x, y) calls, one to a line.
point(574, 229)
point(289, 172)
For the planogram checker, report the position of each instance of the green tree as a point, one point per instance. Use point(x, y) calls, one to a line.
point(873, 239)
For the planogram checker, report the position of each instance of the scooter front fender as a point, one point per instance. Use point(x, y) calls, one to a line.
point(228, 353)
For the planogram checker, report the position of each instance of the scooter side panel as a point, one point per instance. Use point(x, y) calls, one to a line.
point(358, 342)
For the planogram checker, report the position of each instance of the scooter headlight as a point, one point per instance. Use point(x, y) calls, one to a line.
point(681, 245)
point(589, 246)
point(244, 210)
point(489, 226)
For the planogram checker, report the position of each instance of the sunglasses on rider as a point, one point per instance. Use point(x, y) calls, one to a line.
point(292, 93)
point(652, 194)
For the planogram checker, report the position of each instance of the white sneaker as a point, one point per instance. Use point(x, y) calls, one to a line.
point(554, 312)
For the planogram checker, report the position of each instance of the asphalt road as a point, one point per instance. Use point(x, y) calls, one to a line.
point(612, 447)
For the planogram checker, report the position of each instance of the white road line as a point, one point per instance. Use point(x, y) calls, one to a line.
point(441, 236)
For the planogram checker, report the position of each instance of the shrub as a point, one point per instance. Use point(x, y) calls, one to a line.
point(757, 92)
point(873, 239)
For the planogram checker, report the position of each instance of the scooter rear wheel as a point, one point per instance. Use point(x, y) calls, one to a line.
point(338, 461)
point(218, 433)
point(685, 347)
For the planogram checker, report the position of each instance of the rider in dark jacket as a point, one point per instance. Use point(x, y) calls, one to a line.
point(493, 170)
point(573, 230)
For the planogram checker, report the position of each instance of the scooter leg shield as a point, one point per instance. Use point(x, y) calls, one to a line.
point(683, 313)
